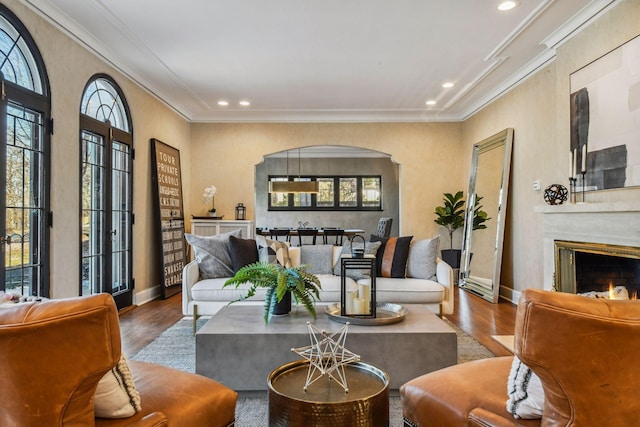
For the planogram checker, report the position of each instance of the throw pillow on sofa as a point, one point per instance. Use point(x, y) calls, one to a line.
point(243, 252)
point(392, 255)
point(525, 392)
point(370, 248)
point(317, 258)
point(423, 258)
point(273, 251)
point(116, 395)
point(212, 254)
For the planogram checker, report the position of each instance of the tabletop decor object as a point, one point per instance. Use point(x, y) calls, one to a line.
point(327, 356)
point(555, 194)
point(208, 196)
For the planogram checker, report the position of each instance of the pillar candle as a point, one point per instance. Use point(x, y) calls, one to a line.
point(570, 164)
point(358, 306)
point(364, 292)
point(575, 161)
point(584, 158)
point(348, 305)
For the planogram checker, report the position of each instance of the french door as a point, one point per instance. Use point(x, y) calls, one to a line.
point(24, 214)
point(107, 212)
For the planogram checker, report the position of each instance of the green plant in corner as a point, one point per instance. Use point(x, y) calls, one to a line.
point(451, 214)
point(278, 280)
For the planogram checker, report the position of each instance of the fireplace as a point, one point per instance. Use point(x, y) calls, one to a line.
point(583, 267)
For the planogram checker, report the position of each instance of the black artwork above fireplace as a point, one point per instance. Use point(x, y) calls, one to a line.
point(592, 267)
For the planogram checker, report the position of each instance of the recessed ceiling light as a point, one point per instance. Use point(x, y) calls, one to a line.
point(507, 5)
point(447, 85)
point(223, 103)
point(431, 102)
point(245, 103)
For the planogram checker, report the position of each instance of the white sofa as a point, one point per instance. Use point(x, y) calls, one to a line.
point(206, 297)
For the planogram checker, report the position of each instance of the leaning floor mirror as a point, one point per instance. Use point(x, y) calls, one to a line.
point(485, 216)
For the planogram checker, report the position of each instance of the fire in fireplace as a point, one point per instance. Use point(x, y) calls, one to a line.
point(592, 267)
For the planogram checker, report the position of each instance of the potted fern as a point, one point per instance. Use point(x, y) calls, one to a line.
point(280, 283)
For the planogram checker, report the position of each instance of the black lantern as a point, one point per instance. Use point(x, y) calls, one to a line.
point(240, 212)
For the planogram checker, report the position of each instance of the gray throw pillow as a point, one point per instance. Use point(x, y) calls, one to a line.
point(423, 256)
point(370, 248)
point(212, 254)
point(318, 258)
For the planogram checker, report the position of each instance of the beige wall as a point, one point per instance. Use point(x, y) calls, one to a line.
point(70, 66)
point(538, 110)
point(226, 154)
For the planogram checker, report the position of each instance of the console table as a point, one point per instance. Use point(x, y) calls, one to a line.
point(212, 227)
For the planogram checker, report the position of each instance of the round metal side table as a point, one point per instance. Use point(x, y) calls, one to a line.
point(325, 402)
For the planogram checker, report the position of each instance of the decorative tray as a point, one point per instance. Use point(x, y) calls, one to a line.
point(386, 313)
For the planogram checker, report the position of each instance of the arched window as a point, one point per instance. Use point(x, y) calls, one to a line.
point(24, 161)
point(106, 170)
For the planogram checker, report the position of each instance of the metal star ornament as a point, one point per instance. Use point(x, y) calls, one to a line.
point(327, 355)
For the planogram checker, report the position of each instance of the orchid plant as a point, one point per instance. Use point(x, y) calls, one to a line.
point(207, 197)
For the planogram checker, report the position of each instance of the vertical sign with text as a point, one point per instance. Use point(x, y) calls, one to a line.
point(167, 182)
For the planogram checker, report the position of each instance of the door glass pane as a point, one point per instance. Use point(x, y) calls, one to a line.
point(24, 200)
point(348, 192)
point(93, 215)
point(120, 216)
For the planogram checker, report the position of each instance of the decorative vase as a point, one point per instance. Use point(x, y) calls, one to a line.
point(452, 257)
point(283, 307)
point(212, 213)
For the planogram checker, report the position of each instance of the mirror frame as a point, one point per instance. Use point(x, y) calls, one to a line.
point(489, 288)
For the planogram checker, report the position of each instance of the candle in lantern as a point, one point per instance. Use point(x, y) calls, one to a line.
point(348, 305)
point(584, 158)
point(364, 293)
point(358, 306)
point(575, 161)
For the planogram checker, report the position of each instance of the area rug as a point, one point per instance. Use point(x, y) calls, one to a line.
point(176, 348)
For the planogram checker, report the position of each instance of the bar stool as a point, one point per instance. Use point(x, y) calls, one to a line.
point(333, 231)
point(307, 232)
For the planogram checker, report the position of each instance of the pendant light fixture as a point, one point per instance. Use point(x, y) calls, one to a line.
point(293, 186)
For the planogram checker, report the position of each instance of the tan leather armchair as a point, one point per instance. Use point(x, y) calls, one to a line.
point(585, 352)
point(55, 352)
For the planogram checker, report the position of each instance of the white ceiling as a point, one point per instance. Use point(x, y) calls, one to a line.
point(322, 60)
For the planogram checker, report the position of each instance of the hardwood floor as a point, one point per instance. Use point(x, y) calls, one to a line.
point(479, 318)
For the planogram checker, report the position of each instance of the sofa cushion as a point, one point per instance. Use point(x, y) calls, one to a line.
point(525, 392)
point(243, 252)
point(317, 258)
point(273, 251)
point(212, 254)
point(407, 291)
point(392, 255)
point(212, 290)
point(116, 395)
point(423, 258)
point(370, 248)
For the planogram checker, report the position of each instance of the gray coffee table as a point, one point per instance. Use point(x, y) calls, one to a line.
point(236, 348)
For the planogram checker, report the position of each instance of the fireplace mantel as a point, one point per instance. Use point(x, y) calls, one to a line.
point(616, 223)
